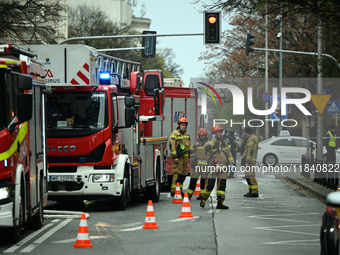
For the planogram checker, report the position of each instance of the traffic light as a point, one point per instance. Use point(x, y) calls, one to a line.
point(249, 43)
point(150, 44)
point(278, 112)
point(212, 28)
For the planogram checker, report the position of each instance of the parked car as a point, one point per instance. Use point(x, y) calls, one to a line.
point(285, 150)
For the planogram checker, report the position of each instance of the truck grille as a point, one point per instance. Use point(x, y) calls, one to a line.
point(62, 169)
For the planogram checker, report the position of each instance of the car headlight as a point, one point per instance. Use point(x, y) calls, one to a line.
point(4, 193)
point(103, 178)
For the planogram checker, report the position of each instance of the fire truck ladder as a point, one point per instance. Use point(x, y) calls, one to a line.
point(120, 67)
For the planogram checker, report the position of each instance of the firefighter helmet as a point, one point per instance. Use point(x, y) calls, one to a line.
point(216, 128)
point(182, 120)
point(202, 131)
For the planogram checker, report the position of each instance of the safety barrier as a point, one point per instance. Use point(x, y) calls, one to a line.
point(324, 172)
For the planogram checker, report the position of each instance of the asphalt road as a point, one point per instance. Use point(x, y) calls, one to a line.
point(283, 220)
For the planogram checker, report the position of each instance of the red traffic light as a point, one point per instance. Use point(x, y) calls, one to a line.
point(212, 20)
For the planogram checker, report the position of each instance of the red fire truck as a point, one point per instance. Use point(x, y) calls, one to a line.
point(98, 141)
point(23, 188)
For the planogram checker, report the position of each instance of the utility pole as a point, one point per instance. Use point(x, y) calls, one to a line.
point(319, 118)
point(266, 124)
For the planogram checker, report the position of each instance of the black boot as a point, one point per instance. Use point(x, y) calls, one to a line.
point(202, 204)
point(199, 197)
point(251, 195)
point(220, 204)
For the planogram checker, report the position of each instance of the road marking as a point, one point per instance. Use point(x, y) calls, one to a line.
point(46, 235)
point(28, 238)
point(132, 229)
point(72, 240)
point(184, 219)
point(296, 242)
point(286, 231)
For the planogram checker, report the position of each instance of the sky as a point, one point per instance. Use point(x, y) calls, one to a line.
point(178, 17)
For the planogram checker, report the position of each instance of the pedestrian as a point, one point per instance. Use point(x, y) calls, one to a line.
point(330, 144)
point(249, 157)
point(197, 149)
point(231, 140)
point(180, 148)
point(219, 156)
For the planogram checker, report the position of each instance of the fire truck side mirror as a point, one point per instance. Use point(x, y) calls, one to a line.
point(24, 81)
point(129, 111)
point(25, 101)
point(129, 117)
point(129, 102)
point(25, 104)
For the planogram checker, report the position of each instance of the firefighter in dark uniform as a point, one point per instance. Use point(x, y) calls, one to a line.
point(331, 144)
point(249, 162)
point(231, 140)
point(180, 148)
point(198, 150)
point(218, 155)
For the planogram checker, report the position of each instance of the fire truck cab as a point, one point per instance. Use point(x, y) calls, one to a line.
point(94, 143)
point(23, 188)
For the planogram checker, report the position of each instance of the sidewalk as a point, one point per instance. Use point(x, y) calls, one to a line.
point(309, 185)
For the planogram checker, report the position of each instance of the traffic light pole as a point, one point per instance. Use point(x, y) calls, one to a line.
point(299, 52)
point(123, 36)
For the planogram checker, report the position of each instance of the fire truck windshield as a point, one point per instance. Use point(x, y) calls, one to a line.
point(76, 114)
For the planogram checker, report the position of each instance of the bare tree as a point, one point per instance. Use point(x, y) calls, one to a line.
point(29, 21)
point(168, 55)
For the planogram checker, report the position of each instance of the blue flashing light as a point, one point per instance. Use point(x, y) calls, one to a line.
point(104, 76)
point(5, 162)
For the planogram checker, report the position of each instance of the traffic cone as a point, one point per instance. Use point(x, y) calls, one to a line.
point(150, 221)
point(83, 240)
point(178, 195)
point(198, 187)
point(186, 212)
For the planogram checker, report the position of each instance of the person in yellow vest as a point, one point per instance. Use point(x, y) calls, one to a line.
point(219, 156)
point(198, 150)
point(249, 156)
point(180, 148)
point(330, 144)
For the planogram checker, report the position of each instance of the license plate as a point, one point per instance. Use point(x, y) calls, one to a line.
point(61, 178)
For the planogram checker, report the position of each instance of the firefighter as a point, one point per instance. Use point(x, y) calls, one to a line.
point(249, 159)
point(180, 148)
point(231, 140)
point(219, 156)
point(198, 150)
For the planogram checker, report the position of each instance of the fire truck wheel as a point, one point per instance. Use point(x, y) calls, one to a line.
point(154, 192)
point(38, 218)
point(15, 232)
point(123, 200)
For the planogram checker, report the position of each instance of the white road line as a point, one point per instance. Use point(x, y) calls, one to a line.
point(183, 219)
point(62, 216)
point(28, 238)
point(132, 229)
point(295, 242)
point(287, 231)
point(45, 236)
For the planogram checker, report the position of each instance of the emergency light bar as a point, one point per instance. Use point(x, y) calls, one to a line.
point(104, 76)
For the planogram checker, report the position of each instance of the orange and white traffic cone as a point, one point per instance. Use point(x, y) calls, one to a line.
point(178, 195)
point(83, 240)
point(198, 187)
point(150, 220)
point(186, 212)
